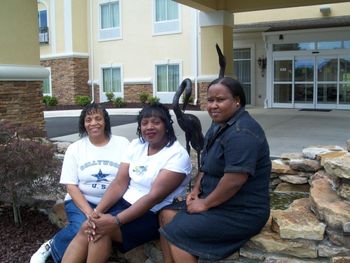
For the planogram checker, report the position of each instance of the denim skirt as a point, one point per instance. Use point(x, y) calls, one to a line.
point(213, 234)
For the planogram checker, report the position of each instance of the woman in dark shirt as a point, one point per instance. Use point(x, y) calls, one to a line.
point(229, 202)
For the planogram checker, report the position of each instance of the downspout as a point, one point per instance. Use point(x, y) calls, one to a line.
point(196, 59)
point(91, 71)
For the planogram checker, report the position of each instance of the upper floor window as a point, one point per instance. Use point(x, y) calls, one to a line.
point(166, 18)
point(109, 20)
point(43, 28)
point(168, 77)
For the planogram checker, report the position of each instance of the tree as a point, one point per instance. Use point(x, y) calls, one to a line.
point(27, 164)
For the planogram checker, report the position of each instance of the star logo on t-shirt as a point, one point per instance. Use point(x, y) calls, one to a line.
point(100, 176)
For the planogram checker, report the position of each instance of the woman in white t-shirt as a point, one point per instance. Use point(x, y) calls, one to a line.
point(154, 171)
point(90, 165)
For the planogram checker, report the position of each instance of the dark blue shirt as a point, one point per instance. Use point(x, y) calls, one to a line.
point(238, 147)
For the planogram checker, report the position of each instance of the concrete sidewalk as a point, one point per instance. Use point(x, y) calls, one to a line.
point(287, 130)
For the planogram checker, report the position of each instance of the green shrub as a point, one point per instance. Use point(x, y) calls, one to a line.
point(119, 102)
point(110, 96)
point(28, 165)
point(50, 100)
point(153, 99)
point(46, 99)
point(190, 101)
point(82, 100)
point(143, 97)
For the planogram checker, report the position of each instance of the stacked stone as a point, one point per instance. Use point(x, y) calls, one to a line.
point(311, 229)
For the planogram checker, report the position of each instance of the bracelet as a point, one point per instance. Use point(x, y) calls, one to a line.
point(117, 221)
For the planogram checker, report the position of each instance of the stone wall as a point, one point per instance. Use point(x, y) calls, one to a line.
point(69, 77)
point(311, 229)
point(133, 91)
point(21, 103)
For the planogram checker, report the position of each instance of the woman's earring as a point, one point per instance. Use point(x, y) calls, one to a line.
point(237, 104)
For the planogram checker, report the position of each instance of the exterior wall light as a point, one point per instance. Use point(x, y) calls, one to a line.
point(325, 10)
point(262, 65)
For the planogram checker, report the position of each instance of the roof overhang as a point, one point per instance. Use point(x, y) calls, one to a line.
point(235, 6)
point(324, 22)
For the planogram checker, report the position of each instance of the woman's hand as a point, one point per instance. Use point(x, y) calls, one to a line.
point(87, 229)
point(193, 195)
point(196, 205)
point(100, 225)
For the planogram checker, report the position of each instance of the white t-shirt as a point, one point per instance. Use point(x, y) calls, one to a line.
point(92, 168)
point(144, 169)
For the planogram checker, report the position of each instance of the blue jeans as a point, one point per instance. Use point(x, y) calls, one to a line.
point(62, 239)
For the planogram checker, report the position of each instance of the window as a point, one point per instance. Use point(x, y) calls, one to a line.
point(347, 44)
point(168, 77)
point(43, 29)
point(242, 70)
point(111, 80)
point(344, 77)
point(46, 88)
point(294, 46)
point(329, 44)
point(110, 20)
point(166, 18)
point(311, 45)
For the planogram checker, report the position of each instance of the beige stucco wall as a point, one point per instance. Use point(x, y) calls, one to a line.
point(79, 25)
point(21, 48)
point(340, 9)
point(210, 36)
point(138, 49)
point(58, 26)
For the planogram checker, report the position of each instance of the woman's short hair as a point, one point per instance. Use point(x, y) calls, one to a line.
point(234, 86)
point(157, 110)
point(91, 109)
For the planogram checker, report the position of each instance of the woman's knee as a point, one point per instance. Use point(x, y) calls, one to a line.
point(165, 216)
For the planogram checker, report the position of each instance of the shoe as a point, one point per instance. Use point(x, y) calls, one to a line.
point(42, 253)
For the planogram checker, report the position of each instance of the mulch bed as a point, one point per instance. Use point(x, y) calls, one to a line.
point(18, 243)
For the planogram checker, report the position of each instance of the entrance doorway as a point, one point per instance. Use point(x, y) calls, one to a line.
point(318, 81)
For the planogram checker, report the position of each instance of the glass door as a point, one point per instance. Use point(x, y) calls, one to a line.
point(304, 76)
point(326, 82)
point(313, 82)
point(283, 83)
point(344, 82)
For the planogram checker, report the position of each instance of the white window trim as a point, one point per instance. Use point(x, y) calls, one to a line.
point(48, 17)
point(116, 30)
point(170, 23)
point(50, 83)
point(108, 66)
point(164, 62)
point(253, 59)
